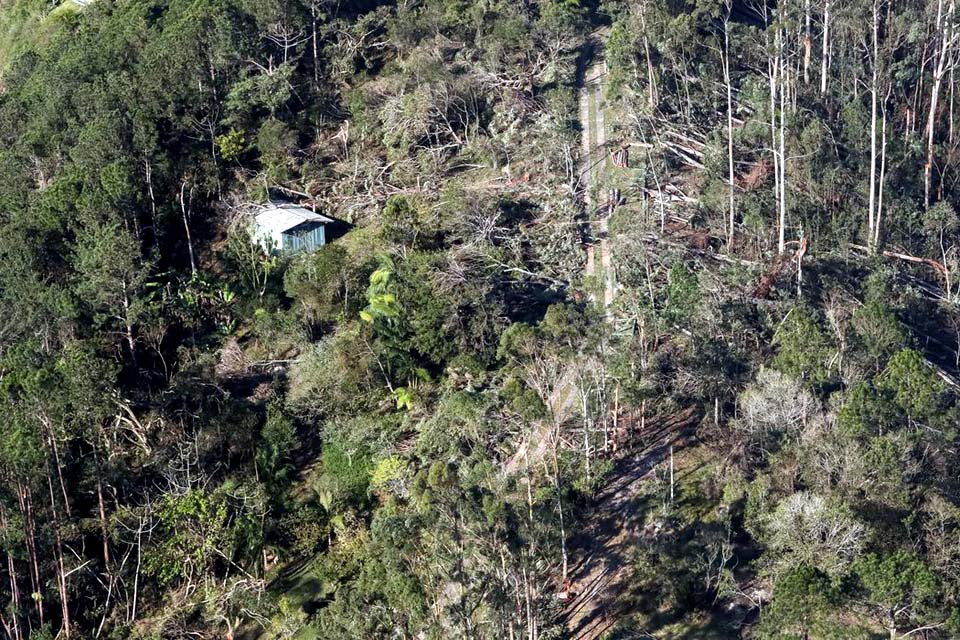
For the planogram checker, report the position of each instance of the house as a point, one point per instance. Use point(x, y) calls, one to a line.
point(287, 228)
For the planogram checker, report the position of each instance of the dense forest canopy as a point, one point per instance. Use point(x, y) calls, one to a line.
point(637, 318)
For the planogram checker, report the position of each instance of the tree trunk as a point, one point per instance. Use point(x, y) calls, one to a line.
point(952, 86)
point(883, 172)
point(586, 423)
point(651, 73)
point(148, 176)
point(800, 253)
point(61, 568)
point(556, 482)
point(946, 274)
point(807, 42)
point(871, 210)
point(671, 475)
point(531, 626)
point(102, 511)
point(128, 326)
point(316, 51)
point(55, 450)
point(136, 573)
point(944, 27)
point(781, 244)
point(25, 500)
point(772, 74)
point(917, 96)
point(825, 53)
point(726, 76)
point(185, 210)
point(12, 575)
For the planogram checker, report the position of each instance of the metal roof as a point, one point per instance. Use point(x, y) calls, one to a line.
point(285, 216)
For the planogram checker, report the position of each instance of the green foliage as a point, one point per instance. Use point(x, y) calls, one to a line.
point(522, 400)
point(256, 270)
point(804, 350)
point(403, 222)
point(199, 530)
point(564, 325)
point(263, 89)
point(561, 15)
point(428, 312)
point(915, 387)
point(286, 622)
point(111, 272)
point(682, 296)
point(232, 144)
point(517, 342)
point(940, 222)
point(336, 376)
point(869, 410)
point(880, 331)
point(889, 465)
point(278, 440)
point(900, 585)
point(405, 398)
point(382, 306)
point(620, 56)
point(344, 479)
point(803, 600)
point(344, 445)
point(277, 145)
point(327, 284)
point(876, 324)
point(389, 474)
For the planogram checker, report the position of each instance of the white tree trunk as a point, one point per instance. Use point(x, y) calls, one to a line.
point(944, 27)
point(726, 77)
point(781, 243)
point(807, 42)
point(825, 53)
point(883, 172)
point(772, 68)
point(185, 210)
point(651, 74)
point(873, 124)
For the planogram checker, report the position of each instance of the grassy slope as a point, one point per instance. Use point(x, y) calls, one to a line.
point(24, 21)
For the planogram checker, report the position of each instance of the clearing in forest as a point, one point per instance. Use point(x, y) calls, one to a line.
point(595, 163)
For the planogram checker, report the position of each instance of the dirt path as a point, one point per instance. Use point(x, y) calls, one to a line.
point(601, 226)
point(560, 404)
point(587, 144)
point(603, 552)
point(596, 162)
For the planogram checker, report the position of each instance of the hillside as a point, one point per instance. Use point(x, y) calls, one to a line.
point(24, 24)
point(587, 319)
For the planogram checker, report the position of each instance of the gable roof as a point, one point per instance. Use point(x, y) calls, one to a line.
point(284, 216)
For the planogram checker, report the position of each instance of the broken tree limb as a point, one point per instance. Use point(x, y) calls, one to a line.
point(936, 266)
point(765, 285)
point(933, 264)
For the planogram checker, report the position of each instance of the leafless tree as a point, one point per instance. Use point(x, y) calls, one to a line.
point(809, 528)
